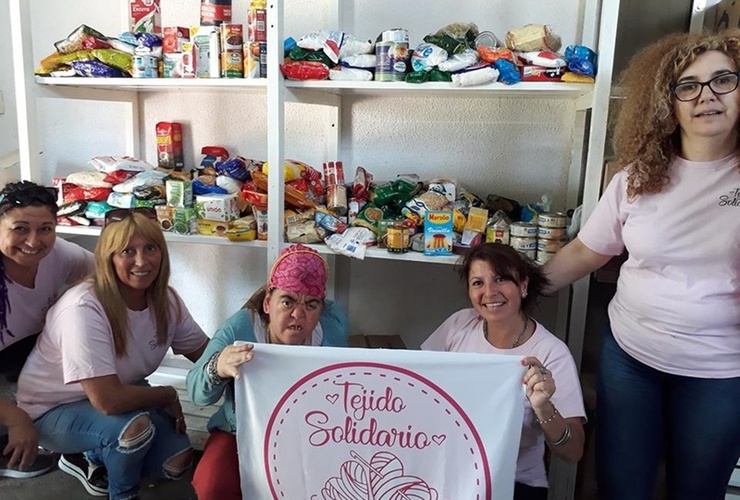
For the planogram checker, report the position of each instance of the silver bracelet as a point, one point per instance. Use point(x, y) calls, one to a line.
point(564, 438)
point(548, 419)
point(212, 370)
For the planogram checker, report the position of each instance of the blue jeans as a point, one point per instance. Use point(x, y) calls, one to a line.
point(78, 427)
point(644, 415)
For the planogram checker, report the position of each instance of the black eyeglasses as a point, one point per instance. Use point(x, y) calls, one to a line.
point(720, 85)
point(119, 214)
point(31, 195)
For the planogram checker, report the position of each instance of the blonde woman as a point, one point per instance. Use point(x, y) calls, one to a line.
point(83, 383)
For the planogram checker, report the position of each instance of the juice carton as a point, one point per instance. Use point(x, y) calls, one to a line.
point(438, 232)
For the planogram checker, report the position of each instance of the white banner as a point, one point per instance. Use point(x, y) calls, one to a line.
point(324, 423)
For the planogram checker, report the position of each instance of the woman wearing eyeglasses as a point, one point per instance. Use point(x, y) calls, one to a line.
point(669, 375)
point(35, 267)
point(84, 382)
point(290, 309)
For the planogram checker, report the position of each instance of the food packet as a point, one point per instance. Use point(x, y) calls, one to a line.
point(56, 61)
point(350, 74)
point(426, 56)
point(235, 168)
point(581, 60)
point(329, 41)
point(76, 40)
point(96, 69)
point(362, 61)
point(507, 72)
point(353, 47)
point(533, 37)
point(475, 76)
point(301, 54)
point(544, 58)
point(304, 70)
point(305, 232)
point(88, 178)
point(109, 164)
point(114, 58)
point(456, 62)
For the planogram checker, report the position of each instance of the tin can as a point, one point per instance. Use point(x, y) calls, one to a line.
point(215, 12)
point(397, 239)
point(392, 56)
point(232, 64)
point(519, 243)
point(552, 233)
point(523, 230)
point(549, 245)
point(553, 219)
point(543, 257)
point(336, 199)
point(530, 254)
point(497, 233)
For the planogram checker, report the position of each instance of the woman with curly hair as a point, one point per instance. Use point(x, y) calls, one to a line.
point(669, 376)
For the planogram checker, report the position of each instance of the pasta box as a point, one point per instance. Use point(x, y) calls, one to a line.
point(216, 207)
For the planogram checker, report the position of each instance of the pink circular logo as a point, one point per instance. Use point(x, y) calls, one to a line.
point(370, 431)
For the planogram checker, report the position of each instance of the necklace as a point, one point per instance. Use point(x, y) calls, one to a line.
point(519, 337)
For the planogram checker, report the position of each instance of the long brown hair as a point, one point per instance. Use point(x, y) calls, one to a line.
point(114, 238)
point(647, 136)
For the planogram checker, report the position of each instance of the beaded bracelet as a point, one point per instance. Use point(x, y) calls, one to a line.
point(212, 370)
point(548, 419)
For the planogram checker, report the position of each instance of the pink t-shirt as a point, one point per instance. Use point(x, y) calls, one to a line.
point(66, 264)
point(463, 332)
point(677, 306)
point(77, 344)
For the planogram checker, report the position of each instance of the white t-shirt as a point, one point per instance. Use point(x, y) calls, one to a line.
point(677, 306)
point(66, 264)
point(77, 344)
point(463, 332)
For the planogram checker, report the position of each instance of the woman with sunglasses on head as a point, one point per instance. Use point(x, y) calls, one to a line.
point(669, 376)
point(84, 382)
point(503, 287)
point(290, 309)
point(35, 268)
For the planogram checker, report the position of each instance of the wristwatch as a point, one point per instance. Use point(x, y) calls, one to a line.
point(212, 370)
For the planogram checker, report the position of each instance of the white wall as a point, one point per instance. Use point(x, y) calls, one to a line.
point(515, 148)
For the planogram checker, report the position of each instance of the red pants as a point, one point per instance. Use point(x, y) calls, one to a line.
point(217, 475)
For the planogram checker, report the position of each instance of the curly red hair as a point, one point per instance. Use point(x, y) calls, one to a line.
point(647, 135)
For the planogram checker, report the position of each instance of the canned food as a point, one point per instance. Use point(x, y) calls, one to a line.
point(552, 233)
point(497, 233)
point(550, 245)
point(531, 254)
point(523, 229)
point(397, 239)
point(543, 257)
point(519, 243)
point(553, 219)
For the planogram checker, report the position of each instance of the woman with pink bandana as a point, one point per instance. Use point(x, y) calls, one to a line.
point(291, 309)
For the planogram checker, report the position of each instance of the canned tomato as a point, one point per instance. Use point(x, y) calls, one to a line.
point(523, 229)
point(497, 233)
point(553, 219)
point(552, 233)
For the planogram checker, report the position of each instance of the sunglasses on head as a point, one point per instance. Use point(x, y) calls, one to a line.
point(31, 195)
point(119, 214)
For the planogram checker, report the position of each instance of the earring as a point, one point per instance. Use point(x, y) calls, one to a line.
point(524, 295)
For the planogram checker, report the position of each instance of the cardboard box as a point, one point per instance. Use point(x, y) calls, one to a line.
point(540, 74)
point(438, 232)
point(144, 16)
point(213, 227)
point(377, 341)
point(217, 207)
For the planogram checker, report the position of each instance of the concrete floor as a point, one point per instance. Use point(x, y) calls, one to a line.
point(58, 485)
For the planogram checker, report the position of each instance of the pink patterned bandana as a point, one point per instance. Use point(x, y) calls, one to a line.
point(300, 269)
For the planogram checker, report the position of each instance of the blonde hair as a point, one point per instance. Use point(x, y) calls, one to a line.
point(114, 238)
point(647, 136)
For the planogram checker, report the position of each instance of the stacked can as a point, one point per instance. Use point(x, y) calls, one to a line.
point(336, 191)
point(255, 44)
point(232, 44)
point(523, 238)
point(551, 235)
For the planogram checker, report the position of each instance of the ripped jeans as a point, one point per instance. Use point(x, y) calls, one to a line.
point(78, 427)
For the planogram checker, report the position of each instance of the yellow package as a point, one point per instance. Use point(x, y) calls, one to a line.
point(293, 169)
point(576, 78)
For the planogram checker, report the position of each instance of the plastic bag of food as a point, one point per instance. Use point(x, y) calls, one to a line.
point(581, 60)
point(490, 55)
point(350, 74)
point(148, 178)
point(301, 54)
point(352, 47)
point(507, 72)
point(88, 178)
point(76, 40)
point(329, 41)
point(114, 58)
point(362, 61)
point(55, 61)
point(533, 37)
point(109, 164)
point(456, 62)
point(292, 169)
point(544, 58)
point(304, 70)
point(426, 56)
point(475, 76)
point(455, 37)
point(96, 69)
point(235, 168)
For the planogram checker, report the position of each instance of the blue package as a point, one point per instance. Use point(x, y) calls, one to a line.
point(581, 60)
point(200, 188)
point(236, 168)
point(507, 72)
point(96, 69)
